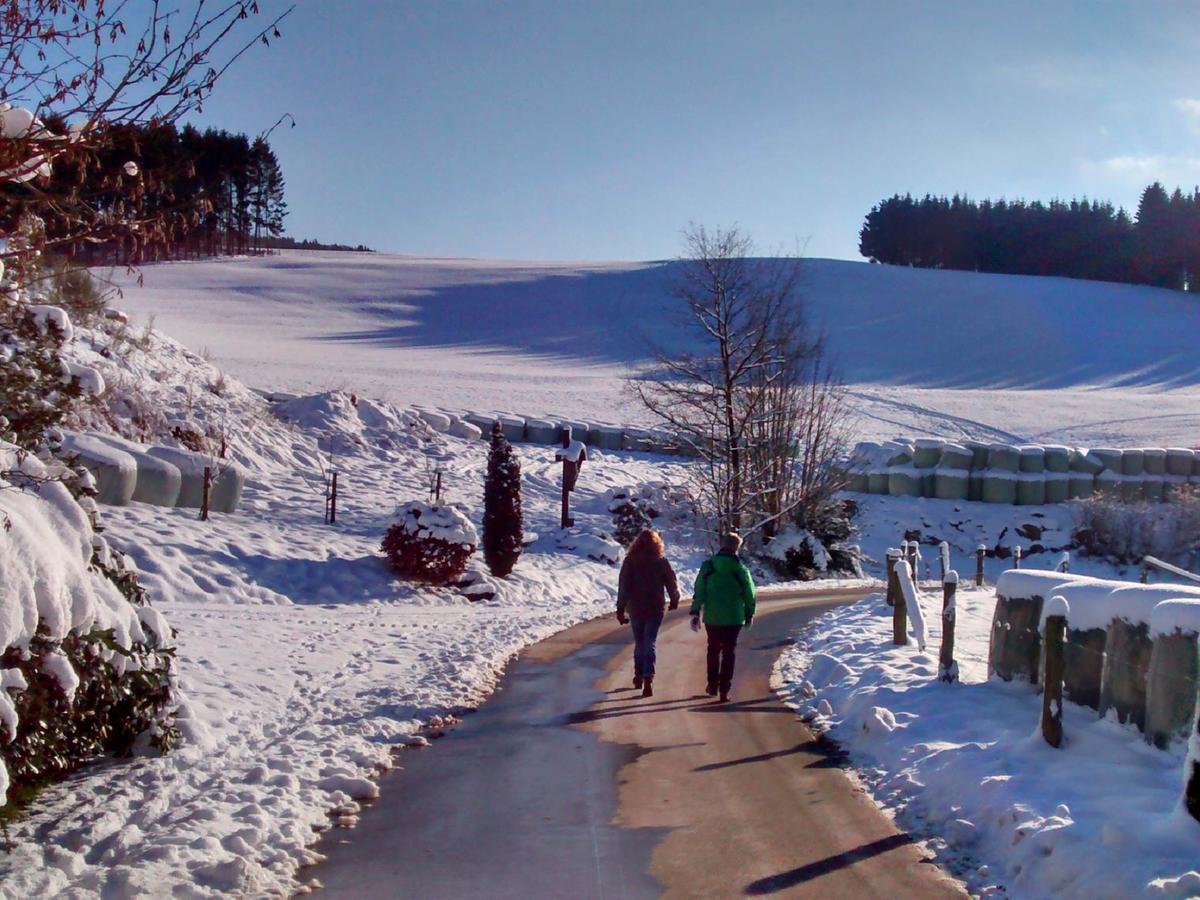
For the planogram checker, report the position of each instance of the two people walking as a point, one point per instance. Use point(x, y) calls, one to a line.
point(724, 597)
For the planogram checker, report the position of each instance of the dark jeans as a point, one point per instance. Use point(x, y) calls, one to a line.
point(722, 654)
point(645, 633)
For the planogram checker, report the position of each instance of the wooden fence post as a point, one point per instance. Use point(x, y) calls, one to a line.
point(204, 495)
point(980, 553)
point(944, 558)
point(947, 667)
point(913, 551)
point(899, 608)
point(893, 580)
point(1191, 792)
point(333, 491)
point(1052, 677)
point(1017, 556)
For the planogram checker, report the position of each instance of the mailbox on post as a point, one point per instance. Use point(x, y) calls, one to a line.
point(572, 455)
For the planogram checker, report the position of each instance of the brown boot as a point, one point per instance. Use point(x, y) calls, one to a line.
point(647, 687)
point(637, 682)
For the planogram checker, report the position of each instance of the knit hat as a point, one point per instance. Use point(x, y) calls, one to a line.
point(731, 542)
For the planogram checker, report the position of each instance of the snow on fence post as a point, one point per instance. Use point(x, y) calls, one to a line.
point(207, 489)
point(914, 559)
point(911, 603)
point(947, 667)
point(980, 552)
point(944, 556)
point(1017, 556)
point(1055, 624)
point(893, 582)
point(1064, 562)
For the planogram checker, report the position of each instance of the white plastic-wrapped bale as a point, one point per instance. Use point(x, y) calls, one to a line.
point(975, 484)
point(1129, 647)
point(979, 454)
point(1082, 461)
point(1015, 644)
point(878, 481)
point(1031, 489)
point(1172, 685)
point(461, 428)
point(228, 479)
point(1058, 487)
point(956, 456)
point(904, 481)
point(1082, 485)
point(1004, 458)
point(1133, 462)
point(482, 422)
point(1108, 458)
point(635, 439)
point(438, 421)
point(1087, 632)
point(158, 481)
point(607, 437)
point(999, 486)
point(898, 453)
point(1180, 460)
point(1058, 458)
point(1033, 458)
point(115, 470)
point(951, 484)
point(861, 463)
point(927, 452)
point(1154, 461)
point(541, 431)
point(512, 426)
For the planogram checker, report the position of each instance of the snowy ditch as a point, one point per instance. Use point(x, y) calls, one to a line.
point(964, 765)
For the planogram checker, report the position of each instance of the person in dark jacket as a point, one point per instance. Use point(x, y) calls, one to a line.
point(645, 576)
point(725, 595)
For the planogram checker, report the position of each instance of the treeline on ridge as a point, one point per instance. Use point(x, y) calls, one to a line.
point(1160, 246)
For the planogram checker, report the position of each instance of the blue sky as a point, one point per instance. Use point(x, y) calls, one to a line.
point(597, 130)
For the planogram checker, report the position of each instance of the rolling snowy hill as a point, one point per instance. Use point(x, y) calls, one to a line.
point(925, 352)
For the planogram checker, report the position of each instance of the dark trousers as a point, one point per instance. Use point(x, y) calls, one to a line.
point(722, 654)
point(645, 633)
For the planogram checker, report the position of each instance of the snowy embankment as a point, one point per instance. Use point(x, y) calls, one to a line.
point(964, 765)
point(304, 664)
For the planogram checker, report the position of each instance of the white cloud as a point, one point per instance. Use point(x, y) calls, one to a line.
point(1189, 106)
point(1170, 170)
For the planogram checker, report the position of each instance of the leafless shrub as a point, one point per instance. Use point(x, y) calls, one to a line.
point(1126, 532)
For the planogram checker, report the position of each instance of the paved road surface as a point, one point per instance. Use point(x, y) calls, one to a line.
point(568, 784)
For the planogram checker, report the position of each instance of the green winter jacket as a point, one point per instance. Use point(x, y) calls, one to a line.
point(724, 591)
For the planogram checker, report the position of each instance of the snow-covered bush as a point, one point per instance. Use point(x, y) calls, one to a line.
point(634, 509)
point(429, 543)
point(502, 524)
point(1123, 533)
point(818, 543)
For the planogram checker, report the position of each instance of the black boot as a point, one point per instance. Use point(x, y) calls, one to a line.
point(648, 687)
point(637, 682)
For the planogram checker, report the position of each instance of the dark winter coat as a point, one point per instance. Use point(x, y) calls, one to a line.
point(724, 591)
point(643, 581)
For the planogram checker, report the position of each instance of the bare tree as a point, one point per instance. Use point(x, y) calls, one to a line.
point(755, 395)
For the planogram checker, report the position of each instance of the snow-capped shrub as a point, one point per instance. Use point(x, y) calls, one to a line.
point(818, 543)
point(429, 543)
point(502, 523)
point(634, 509)
point(1123, 533)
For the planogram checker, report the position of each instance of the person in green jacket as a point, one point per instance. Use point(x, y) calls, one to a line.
point(725, 595)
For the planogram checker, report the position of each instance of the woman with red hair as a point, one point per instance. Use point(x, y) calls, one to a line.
point(645, 576)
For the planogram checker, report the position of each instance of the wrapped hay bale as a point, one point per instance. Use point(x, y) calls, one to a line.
point(635, 439)
point(115, 470)
point(1031, 489)
point(951, 484)
point(438, 421)
point(975, 485)
point(999, 487)
point(228, 479)
point(1154, 461)
point(1033, 458)
point(979, 454)
point(481, 421)
point(1015, 644)
point(461, 428)
point(1108, 458)
point(1083, 461)
point(541, 431)
point(1172, 682)
point(606, 437)
point(158, 481)
point(898, 453)
point(512, 426)
point(904, 481)
point(1058, 487)
point(1179, 461)
point(956, 456)
point(862, 461)
point(1133, 462)
point(877, 481)
point(1004, 458)
point(1082, 485)
point(927, 452)
point(1058, 459)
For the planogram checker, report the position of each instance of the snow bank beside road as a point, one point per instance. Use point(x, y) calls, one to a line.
point(964, 765)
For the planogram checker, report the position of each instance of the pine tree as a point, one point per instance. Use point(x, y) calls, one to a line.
point(502, 506)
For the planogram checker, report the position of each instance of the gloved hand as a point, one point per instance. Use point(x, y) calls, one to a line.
point(695, 623)
point(622, 618)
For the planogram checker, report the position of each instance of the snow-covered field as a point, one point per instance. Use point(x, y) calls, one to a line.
point(949, 354)
point(965, 767)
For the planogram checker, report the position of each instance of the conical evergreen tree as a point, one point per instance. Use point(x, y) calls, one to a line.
point(502, 527)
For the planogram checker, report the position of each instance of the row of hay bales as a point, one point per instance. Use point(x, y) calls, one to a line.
point(1130, 648)
point(532, 430)
point(1028, 475)
point(163, 476)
